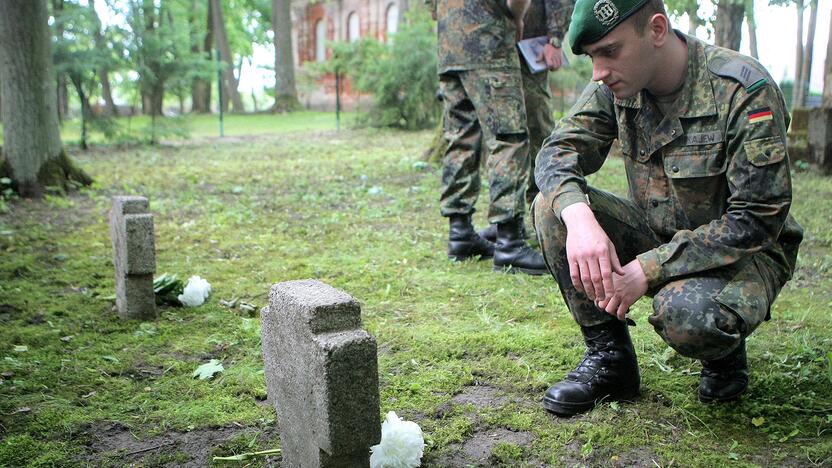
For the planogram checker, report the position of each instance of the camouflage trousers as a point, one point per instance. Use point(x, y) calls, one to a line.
point(539, 112)
point(484, 114)
point(702, 316)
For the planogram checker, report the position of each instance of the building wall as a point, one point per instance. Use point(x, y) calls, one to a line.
point(372, 15)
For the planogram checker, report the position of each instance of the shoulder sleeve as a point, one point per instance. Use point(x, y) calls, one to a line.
point(577, 147)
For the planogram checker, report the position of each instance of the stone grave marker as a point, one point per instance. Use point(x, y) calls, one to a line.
point(134, 256)
point(322, 375)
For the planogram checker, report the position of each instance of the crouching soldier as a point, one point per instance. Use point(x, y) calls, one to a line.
point(705, 229)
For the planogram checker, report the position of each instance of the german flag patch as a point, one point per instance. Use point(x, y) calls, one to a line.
point(760, 115)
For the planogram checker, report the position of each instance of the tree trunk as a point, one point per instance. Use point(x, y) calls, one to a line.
point(103, 73)
point(86, 111)
point(798, 67)
point(107, 93)
point(285, 90)
point(201, 87)
point(752, 30)
point(62, 95)
point(827, 73)
point(229, 81)
point(693, 19)
point(32, 149)
point(806, 69)
point(728, 29)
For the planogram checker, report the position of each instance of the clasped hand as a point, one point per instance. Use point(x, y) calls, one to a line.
point(594, 266)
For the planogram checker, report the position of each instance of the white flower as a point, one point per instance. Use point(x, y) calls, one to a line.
point(401, 444)
point(195, 293)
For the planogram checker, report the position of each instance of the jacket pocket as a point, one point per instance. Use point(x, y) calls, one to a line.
point(694, 162)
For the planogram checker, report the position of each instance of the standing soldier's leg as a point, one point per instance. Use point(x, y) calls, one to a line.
point(540, 117)
point(708, 318)
point(609, 369)
point(540, 121)
point(460, 171)
point(498, 100)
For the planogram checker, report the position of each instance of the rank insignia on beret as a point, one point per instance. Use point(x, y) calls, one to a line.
point(760, 115)
point(606, 12)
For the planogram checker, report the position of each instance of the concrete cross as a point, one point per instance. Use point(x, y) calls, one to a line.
point(322, 375)
point(134, 256)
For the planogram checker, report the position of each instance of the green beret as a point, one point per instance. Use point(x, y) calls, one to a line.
point(593, 19)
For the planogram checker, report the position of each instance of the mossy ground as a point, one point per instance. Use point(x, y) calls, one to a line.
point(464, 351)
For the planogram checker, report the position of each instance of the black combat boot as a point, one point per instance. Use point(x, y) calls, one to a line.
point(512, 250)
point(490, 233)
point(726, 378)
point(608, 371)
point(464, 242)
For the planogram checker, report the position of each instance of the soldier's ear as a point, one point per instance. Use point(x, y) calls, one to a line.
point(658, 27)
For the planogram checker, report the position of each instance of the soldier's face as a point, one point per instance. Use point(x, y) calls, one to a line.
point(623, 60)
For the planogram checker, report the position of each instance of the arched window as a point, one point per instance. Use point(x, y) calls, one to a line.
point(320, 41)
point(392, 19)
point(353, 27)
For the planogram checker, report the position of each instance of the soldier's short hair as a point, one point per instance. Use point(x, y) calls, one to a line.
point(643, 15)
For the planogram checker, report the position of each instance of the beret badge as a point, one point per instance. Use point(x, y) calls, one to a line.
point(605, 12)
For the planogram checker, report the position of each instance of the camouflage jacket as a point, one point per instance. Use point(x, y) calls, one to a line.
point(713, 178)
point(474, 34)
point(548, 18)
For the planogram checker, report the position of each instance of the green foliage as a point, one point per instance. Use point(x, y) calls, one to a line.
point(401, 75)
point(167, 288)
point(159, 46)
point(570, 79)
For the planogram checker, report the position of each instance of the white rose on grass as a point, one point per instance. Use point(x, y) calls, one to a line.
point(401, 444)
point(195, 292)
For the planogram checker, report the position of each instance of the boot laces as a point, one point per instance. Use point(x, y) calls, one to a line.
point(598, 354)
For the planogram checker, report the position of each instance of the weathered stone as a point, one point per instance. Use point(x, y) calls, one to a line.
point(820, 138)
point(134, 257)
point(322, 375)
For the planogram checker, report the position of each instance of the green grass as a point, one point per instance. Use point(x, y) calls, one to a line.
point(203, 126)
point(253, 212)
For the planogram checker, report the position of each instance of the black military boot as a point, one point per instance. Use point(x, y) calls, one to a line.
point(726, 378)
point(512, 250)
point(489, 233)
point(608, 371)
point(464, 242)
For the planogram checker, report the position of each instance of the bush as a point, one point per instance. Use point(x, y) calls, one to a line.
point(401, 75)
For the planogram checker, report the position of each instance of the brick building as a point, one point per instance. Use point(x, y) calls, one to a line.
point(315, 24)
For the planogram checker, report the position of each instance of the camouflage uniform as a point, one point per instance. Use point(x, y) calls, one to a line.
point(709, 197)
point(544, 18)
point(480, 83)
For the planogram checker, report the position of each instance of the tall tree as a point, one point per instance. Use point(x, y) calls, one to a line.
point(230, 82)
point(62, 95)
point(34, 157)
point(798, 66)
point(689, 7)
point(752, 28)
point(100, 34)
point(285, 90)
point(806, 63)
point(728, 27)
point(202, 40)
point(827, 72)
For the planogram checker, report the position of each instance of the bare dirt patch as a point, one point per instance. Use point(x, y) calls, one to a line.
point(114, 443)
point(481, 396)
point(477, 451)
